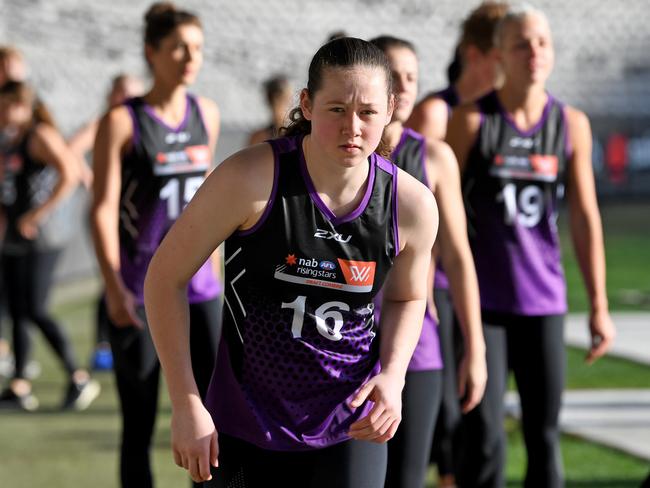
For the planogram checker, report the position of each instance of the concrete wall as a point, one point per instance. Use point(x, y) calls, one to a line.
point(75, 46)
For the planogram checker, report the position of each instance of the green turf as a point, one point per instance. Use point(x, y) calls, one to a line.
point(626, 230)
point(67, 450)
point(585, 465)
point(608, 372)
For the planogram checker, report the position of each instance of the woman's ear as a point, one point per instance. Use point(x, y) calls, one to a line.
point(391, 107)
point(148, 53)
point(305, 104)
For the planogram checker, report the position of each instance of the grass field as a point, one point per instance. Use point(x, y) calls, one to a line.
point(626, 229)
point(68, 450)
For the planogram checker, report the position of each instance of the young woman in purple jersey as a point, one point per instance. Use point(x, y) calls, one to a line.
point(476, 75)
point(518, 148)
point(311, 230)
point(434, 164)
point(36, 174)
point(150, 155)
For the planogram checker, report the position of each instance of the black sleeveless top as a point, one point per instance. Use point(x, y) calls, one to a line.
point(512, 183)
point(160, 175)
point(25, 184)
point(298, 332)
point(450, 97)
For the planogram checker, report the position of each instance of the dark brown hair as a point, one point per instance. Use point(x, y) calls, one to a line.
point(344, 52)
point(388, 42)
point(478, 29)
point(162, 18)
point(8, 52)
point(21, 92)
point(274, 87)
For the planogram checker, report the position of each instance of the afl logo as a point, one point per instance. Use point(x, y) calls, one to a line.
point(329, 265)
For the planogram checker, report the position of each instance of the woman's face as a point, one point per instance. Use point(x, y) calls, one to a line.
point(526, 51)
point(179, 56)
point(12, 68)
point(348, 113)
point(13, 112)
point(404, 68)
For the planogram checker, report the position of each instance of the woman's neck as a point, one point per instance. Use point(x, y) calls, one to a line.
point(278, 118)
point(341, 188)
point(393, 133)
point(525, 104)
point(168, 102)
point(471, 86)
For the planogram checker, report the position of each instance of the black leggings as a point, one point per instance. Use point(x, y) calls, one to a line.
point(3, 331)
point(408, 451)
point(350, 464)
point(448, 420)
point(28, 279)
point(137, 375)
point(533, 348)
point(101, 320)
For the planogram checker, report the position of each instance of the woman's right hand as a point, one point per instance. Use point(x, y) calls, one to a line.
point(472, 378)
point(194, 440)
point(122, 309)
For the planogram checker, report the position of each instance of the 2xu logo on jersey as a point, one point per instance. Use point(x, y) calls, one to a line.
point(327, 234)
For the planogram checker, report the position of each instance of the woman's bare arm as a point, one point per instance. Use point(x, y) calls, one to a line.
point(587, 233)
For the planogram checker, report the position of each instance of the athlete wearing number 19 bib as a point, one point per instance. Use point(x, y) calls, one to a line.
point(525, 147)
point(512, 183)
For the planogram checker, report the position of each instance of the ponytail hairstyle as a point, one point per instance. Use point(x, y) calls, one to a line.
point(162, 18)
point(344, 52)
point(21, 92)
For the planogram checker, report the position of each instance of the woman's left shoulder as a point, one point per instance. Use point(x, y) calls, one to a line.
point(572, 114)
point(413, 197)
point(577, 124)
point(44, 137)
point(417, 213)
point(207, 105)
point(44, 131)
